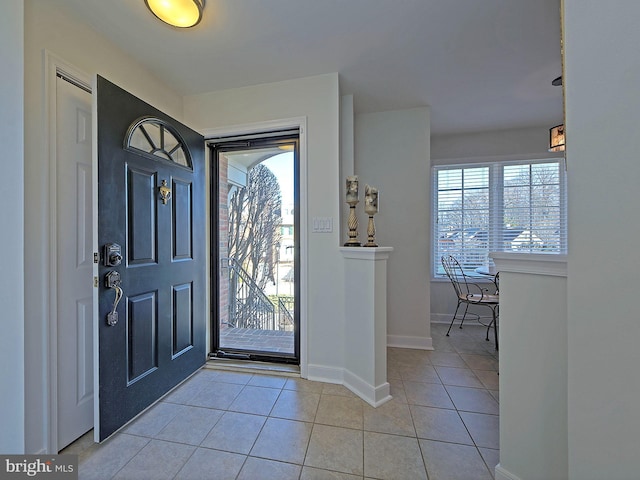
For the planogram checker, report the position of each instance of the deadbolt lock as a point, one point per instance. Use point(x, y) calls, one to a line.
point(112, 255)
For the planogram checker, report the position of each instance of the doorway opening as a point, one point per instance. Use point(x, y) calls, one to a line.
point(255, 247)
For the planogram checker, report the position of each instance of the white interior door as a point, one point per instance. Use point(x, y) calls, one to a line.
point(74, 262)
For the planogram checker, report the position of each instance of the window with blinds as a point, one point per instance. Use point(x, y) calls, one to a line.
point(498, 206)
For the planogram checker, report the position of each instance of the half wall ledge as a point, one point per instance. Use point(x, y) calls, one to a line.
point(534, 263)
point(366, 323)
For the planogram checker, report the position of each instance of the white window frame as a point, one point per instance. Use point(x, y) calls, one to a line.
point(496, 190)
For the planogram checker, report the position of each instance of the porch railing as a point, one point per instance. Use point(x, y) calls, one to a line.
point(285, 319)
point(249, 307)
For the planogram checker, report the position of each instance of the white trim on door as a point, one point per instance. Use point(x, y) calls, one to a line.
point(282, 124)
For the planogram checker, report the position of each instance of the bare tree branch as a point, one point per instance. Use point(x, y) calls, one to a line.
point(254, 221)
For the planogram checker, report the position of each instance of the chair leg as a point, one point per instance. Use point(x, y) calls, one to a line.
point(495, 326)
point(486, 337)
point(493, 323)
point(454, 318)
point(464, 316)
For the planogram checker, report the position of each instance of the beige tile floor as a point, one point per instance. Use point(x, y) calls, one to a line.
point(441, 424)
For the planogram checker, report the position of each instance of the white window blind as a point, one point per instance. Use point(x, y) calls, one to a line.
point(498, 206)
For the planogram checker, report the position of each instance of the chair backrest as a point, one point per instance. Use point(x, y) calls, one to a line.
point(453, 269)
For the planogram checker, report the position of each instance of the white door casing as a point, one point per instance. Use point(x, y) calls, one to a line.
point(281, 124)
point(74, 263)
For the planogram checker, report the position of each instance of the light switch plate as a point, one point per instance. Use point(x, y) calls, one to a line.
point(322, 225)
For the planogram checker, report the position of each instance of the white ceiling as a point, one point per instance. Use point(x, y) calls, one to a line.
point(479, 64)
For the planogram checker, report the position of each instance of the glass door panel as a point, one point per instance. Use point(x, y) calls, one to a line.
point(257, 250)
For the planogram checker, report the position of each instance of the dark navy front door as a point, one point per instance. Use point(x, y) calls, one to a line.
point(151, 204)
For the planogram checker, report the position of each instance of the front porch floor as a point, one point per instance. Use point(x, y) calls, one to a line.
point(276, 341)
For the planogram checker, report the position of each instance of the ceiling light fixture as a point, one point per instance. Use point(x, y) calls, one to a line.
point(177, 13)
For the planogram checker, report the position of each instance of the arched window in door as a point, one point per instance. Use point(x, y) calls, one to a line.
point(152, 136)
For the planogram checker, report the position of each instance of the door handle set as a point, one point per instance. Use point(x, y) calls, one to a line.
point(112, 280)
point(113, 258)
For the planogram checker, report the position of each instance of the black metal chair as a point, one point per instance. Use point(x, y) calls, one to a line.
point(470, 293)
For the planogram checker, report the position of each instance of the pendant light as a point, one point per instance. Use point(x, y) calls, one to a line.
point(177, 13)
point(556, 134)
point(556, 138)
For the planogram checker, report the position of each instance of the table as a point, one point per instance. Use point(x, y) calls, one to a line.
point(489, 271)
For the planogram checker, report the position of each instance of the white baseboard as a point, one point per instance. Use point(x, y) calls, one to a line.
point(321, 373)
point(445, 319)
point(441, 318)
point(419, 343)
point(502, 474)
point(373, 395)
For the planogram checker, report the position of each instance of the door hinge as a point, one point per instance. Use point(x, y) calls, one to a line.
point(96, 257)
point(95, 282)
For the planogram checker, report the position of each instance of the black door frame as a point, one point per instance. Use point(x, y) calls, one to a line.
point(255, 140)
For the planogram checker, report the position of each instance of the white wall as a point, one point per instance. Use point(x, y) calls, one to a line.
point(602, 79)
point(533, 366)
point(392, 152)
point(317, 99)
point(12, 413)
point(347, 157)
point(515, 144)
point(517, 141)
point(47, 27)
